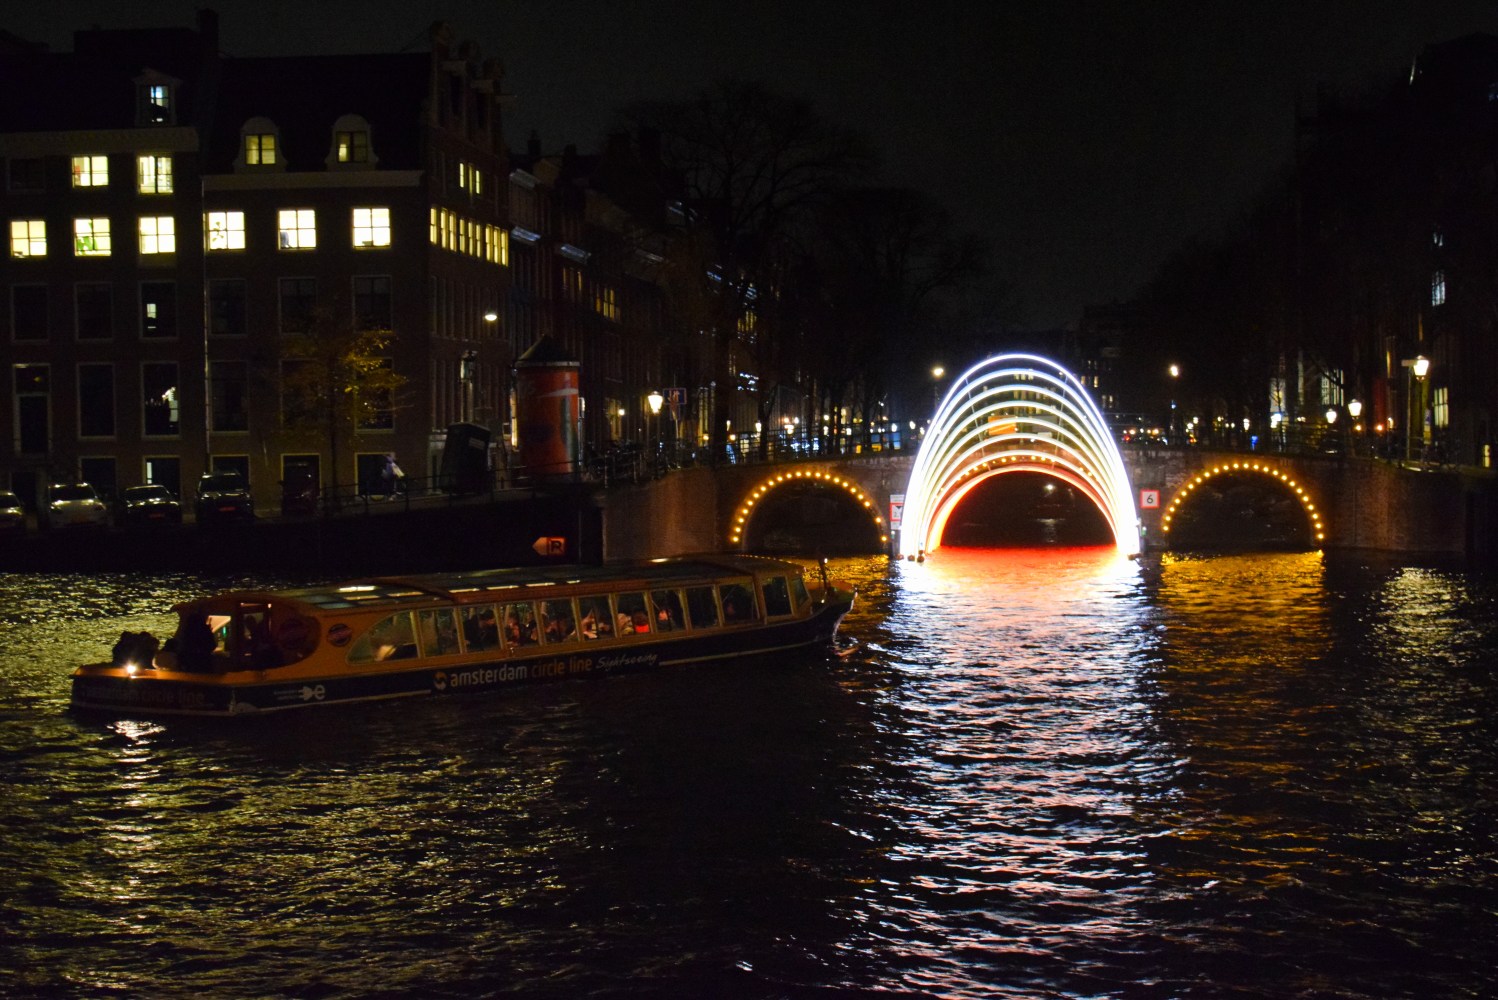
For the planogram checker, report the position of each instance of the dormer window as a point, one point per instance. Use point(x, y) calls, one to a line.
point(260, 150)
point(352, 147)
point(155, 99)
point(260, 146)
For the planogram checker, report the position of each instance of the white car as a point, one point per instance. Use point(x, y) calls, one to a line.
point(12, 514)
point(70, 505)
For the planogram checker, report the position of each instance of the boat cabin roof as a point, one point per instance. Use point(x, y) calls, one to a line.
point(479, 586)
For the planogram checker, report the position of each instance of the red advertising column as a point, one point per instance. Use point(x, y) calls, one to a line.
point(547, 411)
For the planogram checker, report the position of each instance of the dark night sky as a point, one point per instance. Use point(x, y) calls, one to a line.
point(1086, 140)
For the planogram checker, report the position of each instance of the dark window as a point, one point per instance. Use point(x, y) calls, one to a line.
point(26, 174)
point(28, 312)
point(158, 309)
point(229, 385)
point(299, 407)
point(377, 410)
point(33, 405)
point(95, 400)
point(226, 308)
point(95, 304)
point(372, 302)
point(298, 298)
point(159, 391)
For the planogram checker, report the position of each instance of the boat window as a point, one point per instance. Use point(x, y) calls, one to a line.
point(703, 606)
point(668, 616)
point(633, 617)
point(439, 631)
point(520, 624)
point(738, 603)
point(558, 622)
point(777, 596)
point(798, 590)
point(480, 627)
point(391, 638)
point(595, 617)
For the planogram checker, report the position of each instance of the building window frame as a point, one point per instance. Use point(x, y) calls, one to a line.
point(93, 310)
point(158, 235)
point(92, 237)
point(224, 231)
point(158, 310)
point(96, 400)
point(28, 237)
point(371, 227)
point(153, 173)
point(90, 170)
point(161, 411)
point(296, 228)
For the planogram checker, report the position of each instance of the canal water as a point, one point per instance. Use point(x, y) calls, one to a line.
point(1051, 773)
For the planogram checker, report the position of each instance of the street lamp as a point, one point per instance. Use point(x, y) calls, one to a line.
point(1419, 367)
point(1355, 410)
point(467, 369)
point(655, 399)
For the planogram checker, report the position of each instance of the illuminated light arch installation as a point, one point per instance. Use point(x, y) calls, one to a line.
point(1015, 413)
point(1318, 527)
point(810, 477)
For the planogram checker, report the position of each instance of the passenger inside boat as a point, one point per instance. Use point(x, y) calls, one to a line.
point(668, 617)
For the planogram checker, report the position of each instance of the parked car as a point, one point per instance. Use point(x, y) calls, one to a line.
point(224, 498)
point(150, 504)
point(72, 505)
point(12, 514)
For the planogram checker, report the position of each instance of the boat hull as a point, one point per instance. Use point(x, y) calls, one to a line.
point(155, 693)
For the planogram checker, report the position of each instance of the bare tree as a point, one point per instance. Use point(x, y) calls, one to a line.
point(748, 165)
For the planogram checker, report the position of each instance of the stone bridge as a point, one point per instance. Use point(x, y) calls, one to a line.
point(1348, 502)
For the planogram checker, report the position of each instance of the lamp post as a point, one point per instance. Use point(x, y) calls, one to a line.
point(655, 399)
point(1418, 367)
point(936, 376)
point(467, 368)
point(1355, 410)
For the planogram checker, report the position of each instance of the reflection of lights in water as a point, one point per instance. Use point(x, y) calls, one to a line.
point(1021, 699)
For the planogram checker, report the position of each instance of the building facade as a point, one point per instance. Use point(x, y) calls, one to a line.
point(179, 219)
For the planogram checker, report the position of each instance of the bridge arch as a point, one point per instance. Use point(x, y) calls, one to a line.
point(1015, 413)
point(1183, 495)
point(812, 476)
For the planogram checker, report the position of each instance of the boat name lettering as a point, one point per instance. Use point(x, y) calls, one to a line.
point(626, 660)
point(141, 694)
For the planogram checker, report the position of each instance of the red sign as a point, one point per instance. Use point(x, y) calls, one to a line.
point(1149, 499)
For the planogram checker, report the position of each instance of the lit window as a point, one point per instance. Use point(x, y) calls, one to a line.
point(606, 304)
point(28, 237)
point(154, 174)
point(90, 171)
point(158, 234)
point(298, 228)
point(470, 178)
point(1440, 406)
point(91, 237)
point(371, 227)
point(353, 147)
point(260, 150)
point(1438, 288)
point(225, 230)
point(156, 106)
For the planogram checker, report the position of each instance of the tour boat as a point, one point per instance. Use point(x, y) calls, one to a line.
point(252, 651)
